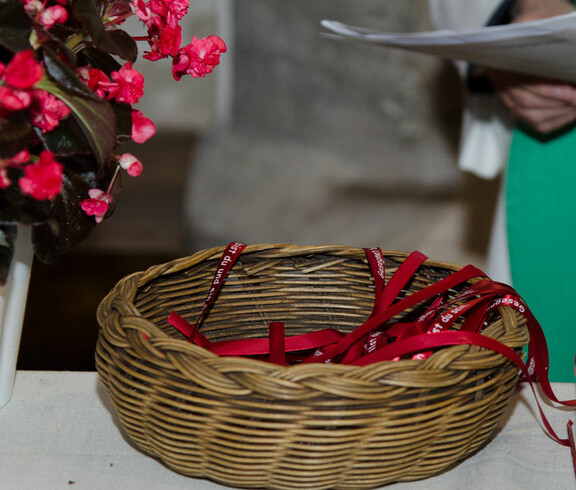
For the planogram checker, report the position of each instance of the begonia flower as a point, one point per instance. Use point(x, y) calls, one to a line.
point(43, 179)
point(32, 7)
point(4, 179)
point(198, 58)
point(169, 42)
point(23, 71)
point(18, 159)
point(131, 164)
point(141, 10)
point(165, 8)
point(14, 161)
point(47, 111)
point(14, 99)
point(129, 85)
point(53, 15)
point(142, 127)
point(179, 8)
point(97, 81)
point(97, 205)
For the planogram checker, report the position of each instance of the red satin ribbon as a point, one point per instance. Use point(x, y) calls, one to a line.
point(380, 339)
point(229, 257)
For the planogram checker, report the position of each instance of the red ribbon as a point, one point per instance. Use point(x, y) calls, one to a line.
point(229, 257)
point(378, 339)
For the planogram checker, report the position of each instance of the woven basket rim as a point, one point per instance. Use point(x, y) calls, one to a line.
point(159, 340)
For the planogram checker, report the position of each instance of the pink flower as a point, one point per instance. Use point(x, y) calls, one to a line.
point(97, 81)
point(43, 179)
point(14, 161)
point(178, 8)
point(141, 10)
point(169, 42)
point(4, 180)
point(171, 11)
point(129, 85)
point(23, 71)
point(53, 15)
point(18, 159)
point(14, 99)
point(198, 58)
point(131, 164)
point(97, 205)
point(47, 111)
point(32, 6)
point(142, 127)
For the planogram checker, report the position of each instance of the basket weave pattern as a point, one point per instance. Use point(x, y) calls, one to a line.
point(249, 423)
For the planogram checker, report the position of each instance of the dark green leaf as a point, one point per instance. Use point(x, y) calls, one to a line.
point(7, 241)
point(118, 9)
point(15, 26)
point(17, 207)
point(110, 41)
point(127, 45)
point(68, 139)
point(102, 60)
point(123, 121)
point(65, 77)
point(68, 225)
point(16, 134)
point(95, 117)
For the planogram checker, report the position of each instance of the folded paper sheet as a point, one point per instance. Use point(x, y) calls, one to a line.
point(544, 47)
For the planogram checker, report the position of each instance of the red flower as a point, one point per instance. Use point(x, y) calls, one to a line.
point(14, 161)
point(53, 15)
point(142, 127)
point(18, 159)
point(43, 179)
point(129, 85)
point(14, 99)
point(198, 58)
point(96, 80)
point(32, 6)
point(169, 42)
point(131, 164)
point(141, 10)
point(97, 205)
point(47, 111)
point(4, 180)
point(23, 71)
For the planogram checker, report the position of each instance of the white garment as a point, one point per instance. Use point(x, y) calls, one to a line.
point(486, 127)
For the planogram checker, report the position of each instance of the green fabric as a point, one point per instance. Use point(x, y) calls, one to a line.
point(541, 214)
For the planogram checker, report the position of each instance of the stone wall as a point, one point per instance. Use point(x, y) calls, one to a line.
point(326, 141)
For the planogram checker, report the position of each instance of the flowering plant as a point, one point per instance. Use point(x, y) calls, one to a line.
point(67, 90)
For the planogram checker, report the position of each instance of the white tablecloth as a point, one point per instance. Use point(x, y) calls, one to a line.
point(59, 431)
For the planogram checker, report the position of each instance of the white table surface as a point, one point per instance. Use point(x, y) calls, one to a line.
point(59, 431)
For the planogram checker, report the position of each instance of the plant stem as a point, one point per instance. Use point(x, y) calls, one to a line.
point(76, 41)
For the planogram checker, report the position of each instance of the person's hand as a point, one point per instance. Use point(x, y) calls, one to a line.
point(527, 10)
point(545, 105)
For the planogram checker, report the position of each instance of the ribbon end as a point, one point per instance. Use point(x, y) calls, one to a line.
point(571, 440)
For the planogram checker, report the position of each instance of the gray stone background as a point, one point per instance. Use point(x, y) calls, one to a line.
point(304, 139)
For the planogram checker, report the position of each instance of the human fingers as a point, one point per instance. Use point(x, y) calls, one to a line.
point(529, 98)
point(543, 120)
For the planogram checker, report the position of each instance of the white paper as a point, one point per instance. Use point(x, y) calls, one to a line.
point(544, 47)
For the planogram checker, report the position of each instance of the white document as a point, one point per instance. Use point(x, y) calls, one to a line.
point(544, 47)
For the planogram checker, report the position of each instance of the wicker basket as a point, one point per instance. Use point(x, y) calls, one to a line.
point(250, 423)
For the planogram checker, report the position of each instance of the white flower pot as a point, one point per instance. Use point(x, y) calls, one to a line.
point(12, 306)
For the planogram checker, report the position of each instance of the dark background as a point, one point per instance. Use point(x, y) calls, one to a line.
point(60, 327)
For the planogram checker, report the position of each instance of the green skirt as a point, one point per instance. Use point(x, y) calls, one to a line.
point(541, 220)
